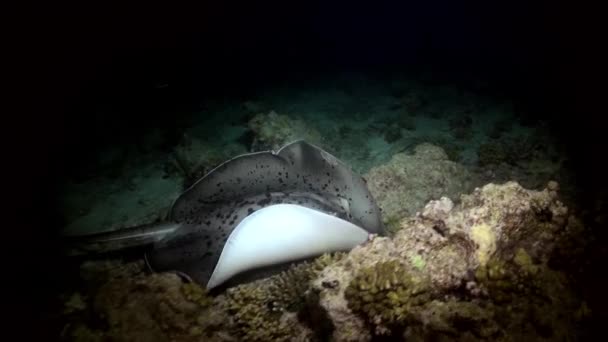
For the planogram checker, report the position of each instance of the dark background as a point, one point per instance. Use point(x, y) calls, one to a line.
point(547, 56)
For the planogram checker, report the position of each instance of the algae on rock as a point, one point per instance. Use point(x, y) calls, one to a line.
point(404, 185)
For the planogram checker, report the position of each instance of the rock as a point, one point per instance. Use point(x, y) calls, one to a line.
point(272, 131)
point(402, 186)
point(488, 268)
point(194, 158)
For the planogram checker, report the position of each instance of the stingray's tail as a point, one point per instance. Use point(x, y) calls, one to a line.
point(116, 240)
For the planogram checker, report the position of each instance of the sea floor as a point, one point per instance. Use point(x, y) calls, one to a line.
point(361, 119)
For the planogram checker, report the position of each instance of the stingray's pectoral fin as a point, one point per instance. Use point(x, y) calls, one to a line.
point(283, 233)
point(107, 242)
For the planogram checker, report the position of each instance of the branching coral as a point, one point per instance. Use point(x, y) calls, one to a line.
point(260, 310)
point(386, 293)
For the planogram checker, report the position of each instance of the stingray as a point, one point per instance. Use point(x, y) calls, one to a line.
point(255, 210)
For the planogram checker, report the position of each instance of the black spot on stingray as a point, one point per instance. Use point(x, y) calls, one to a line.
point(281, 180)
point(207, 222)
point(208, 254)
point(263, 202)
point(327, 173)
point(209, 243)
point(280, 173)
point(235, 217)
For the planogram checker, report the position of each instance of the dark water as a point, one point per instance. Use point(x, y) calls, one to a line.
point(123, 95)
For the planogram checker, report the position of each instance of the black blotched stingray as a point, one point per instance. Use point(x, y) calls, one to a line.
point(258, 209)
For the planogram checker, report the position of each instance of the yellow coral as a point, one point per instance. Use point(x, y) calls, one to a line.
point(483, 235)
point(197, 294)
point(523, 260)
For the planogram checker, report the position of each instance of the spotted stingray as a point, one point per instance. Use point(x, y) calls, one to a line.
point(260, 209)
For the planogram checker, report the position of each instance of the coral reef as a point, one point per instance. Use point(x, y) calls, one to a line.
point(392, 134)
point(135, 306)
point(402, 186)
point(264, 310)
point(272, 131)
point(413, 102)
point(472, 271)
point(476, 271)
point(157, 307)
point(511, 150)
point(500, 127)
point(386, 293)
point(461, 127)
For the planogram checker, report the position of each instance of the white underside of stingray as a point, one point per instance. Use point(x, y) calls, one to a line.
point(282, 233)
